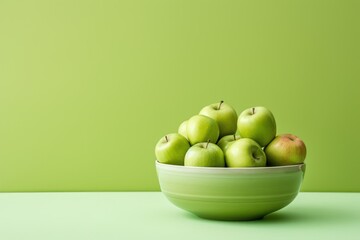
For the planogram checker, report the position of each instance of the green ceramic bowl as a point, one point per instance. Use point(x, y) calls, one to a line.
point(230, 193)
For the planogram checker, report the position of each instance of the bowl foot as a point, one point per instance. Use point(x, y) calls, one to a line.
point(229, 218)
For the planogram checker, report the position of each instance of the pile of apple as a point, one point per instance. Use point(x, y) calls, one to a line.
point(218, 137)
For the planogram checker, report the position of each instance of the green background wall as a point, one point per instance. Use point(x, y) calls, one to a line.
point(88, 87)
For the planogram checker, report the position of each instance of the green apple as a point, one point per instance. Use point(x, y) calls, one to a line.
point(205, 154)
point(245, 152)
point(171, 149)
point(224, 115)
point(182, 128)
point(201, 129)
point(285, 149)
point(257, 123)
point(226, 141)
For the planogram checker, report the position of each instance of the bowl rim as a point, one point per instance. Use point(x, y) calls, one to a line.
point(227, 170)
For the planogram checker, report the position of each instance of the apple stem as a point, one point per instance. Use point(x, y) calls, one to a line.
point(253, 110)
point(234, 137)
point(207, 144)
point(221, 102)
point(166, 138)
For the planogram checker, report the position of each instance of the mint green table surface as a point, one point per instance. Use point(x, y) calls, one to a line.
point(148, 215)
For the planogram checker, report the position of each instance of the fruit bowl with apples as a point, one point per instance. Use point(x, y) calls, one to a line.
point(227, 167)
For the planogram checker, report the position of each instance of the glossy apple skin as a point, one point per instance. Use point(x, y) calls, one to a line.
point(226, 141)
point(245, 152)
point(172, 150)
point(204, 155)
point(225, 116)
point(201, 129)
point(182, 129)
point(285, 149)
point(257, 123)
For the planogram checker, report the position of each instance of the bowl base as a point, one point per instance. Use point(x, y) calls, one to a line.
point(229, 218)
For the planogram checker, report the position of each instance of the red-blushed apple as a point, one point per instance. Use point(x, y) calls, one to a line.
point(285, 149)
point(171, 149)
point(257, 123)
point(205, 154)
point(201, 128)
point(224, 115)
point(245, 152)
